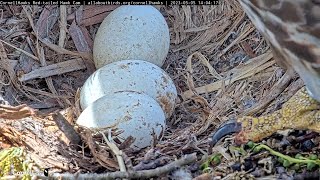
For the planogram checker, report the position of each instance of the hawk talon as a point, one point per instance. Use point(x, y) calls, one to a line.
point(300, 112)
point(227, 128)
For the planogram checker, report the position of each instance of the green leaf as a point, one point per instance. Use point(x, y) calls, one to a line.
point(204, 165)
point(286, 163)
point(250, 144)
point(242, 151)
point(207, 170)
point(298, 156)
point(257, 149)
point(216, 160)
point(280, 160)
point(310, 166)
point(296, 166)
point(313, 157)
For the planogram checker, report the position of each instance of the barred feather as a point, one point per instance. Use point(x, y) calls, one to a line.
point(293, 29)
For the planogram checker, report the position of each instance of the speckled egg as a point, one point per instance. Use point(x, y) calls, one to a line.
point(137, 114)
point(131, 75)
point(132, 32)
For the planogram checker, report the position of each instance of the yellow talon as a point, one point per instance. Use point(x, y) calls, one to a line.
point(300, 112)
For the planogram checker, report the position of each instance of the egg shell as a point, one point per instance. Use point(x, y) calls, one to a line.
point(132, 32)
point(137, 114)
point(131, 75)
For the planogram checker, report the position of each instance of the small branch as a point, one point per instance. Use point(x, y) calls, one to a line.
point(187, 159)
point(101, 155)
point(115, 150)
point(63, 25)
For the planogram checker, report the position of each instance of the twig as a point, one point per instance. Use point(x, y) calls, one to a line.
point(101, 155)
point(21, 50)
point(61, 50)
point(187, 159)
point(304, 160)
point(115, 150)
point(48, 79)
point(63, 25)
point(44, 93)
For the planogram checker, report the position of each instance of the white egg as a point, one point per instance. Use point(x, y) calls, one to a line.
point(131, 75)
point(132, 32)
point(137, 114)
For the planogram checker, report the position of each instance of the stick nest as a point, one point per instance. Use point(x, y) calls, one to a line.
point(220, 64)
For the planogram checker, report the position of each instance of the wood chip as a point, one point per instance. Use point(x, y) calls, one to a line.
point(78, 38)
point(17, 112)
point(67, 129)
point(54, 69)
point(91, 11)
point(87, 36)
point(83, 43)
point(47, 19)
point(95, 19)
point(79, 14)
point(26, 64)
point(92, 14)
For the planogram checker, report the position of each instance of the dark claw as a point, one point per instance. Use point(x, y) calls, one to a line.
point(229, 127)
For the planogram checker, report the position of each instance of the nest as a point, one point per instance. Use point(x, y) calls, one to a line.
point(222, 67)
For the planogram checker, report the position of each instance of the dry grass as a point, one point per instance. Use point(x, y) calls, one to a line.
point(221, 66)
